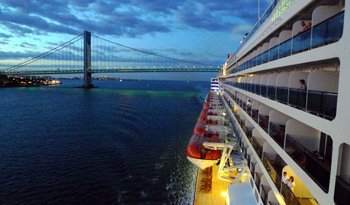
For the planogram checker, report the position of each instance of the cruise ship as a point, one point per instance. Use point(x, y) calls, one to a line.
point(285, 95)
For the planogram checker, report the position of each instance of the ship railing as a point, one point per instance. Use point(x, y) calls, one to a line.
point(256, 89)
point(282, 94)
point(271, 92)
point(257, 180)
point(288, 195)
point(318, 169)
point(257, 147)
point(250, 87)
point(328, 31)
point(277, 133)
point(342, 191)
point(274, 169)
point(263, 90)
point(264, 122)
point(252, 170)
point(273, 53)
point(324, 33)
point(255, 115)
point(249, 110)
point(263, 194)
point(285, 49)
point(301, 42)
point(297, 98)
point(321, 103)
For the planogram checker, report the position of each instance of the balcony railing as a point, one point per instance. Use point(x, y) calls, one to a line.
point(342, 191)
point(289, 196)
point(301, 42)
point(329, 31)
point(255, 115)
point(315, 167)
point(326, 32)
point(264, 122)
point(285, 49)
point(263, 90)
point(273, 53)
point(271, 92)
point(273, 169)
point(257, 180)
point(257, 147)
point(263, 194)
point(277, 132)
point(297, 98)
point(252, 169)
point(248, 132)
point(282, 94)
point(322, 103)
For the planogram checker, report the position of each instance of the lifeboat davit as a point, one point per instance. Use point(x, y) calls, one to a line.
point(199, 155)
point(207, 129)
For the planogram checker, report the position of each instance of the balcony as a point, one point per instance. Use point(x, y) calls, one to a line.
point(318, 169)
point(248, 131)
point(329, 31)
point(257, 180)
point(264, 122)
point(324, 33)
point(273, 53)
point(271, 92)
point(288, 195)
point(297, 98)
point(323, 104)
point(320, 103)
point(301, 42)
point(285, 49)
point(257, 147)
point(256, 89)
point(263, 90)
point(277, 133)
point(255, 115)
point(263, 194)
point(274, 168)
point(342, 191)
point(282, 94)
point(252, 169)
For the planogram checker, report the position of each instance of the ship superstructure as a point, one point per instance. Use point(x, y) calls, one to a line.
point(286, 93)
point(286, 89)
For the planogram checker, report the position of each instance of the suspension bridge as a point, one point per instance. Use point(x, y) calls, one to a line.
point(88, 53)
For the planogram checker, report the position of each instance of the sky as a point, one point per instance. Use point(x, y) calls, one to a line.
point(200, 30)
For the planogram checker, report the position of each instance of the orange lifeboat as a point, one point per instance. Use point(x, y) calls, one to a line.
point(196, 152)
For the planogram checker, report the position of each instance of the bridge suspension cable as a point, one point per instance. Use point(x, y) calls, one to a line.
point(106, 57)
point(45, 54)
point(151, 53)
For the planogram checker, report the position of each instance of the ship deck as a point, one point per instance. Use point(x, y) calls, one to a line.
point(216, 194)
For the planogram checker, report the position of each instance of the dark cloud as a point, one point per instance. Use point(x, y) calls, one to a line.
point(16, 55)
point(125, 17)
point(3, 43)
point(27, 45)
point(3, 35)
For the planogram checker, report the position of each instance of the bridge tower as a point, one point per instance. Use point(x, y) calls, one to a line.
point(87, 60)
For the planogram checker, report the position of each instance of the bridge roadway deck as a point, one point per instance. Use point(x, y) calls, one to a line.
point(117, 70)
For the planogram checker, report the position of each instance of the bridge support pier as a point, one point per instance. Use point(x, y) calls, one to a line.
point(87, 60)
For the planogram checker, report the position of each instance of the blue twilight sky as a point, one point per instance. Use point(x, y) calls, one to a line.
point(205, 30)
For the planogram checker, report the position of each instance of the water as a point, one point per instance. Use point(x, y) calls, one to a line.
point(122, 143)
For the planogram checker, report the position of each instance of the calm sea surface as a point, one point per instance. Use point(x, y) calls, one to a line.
point(121, 143)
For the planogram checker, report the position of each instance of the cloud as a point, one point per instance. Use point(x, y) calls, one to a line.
point(125, 17)
point(3, 35)
point(16, 55)
point(27, 45)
